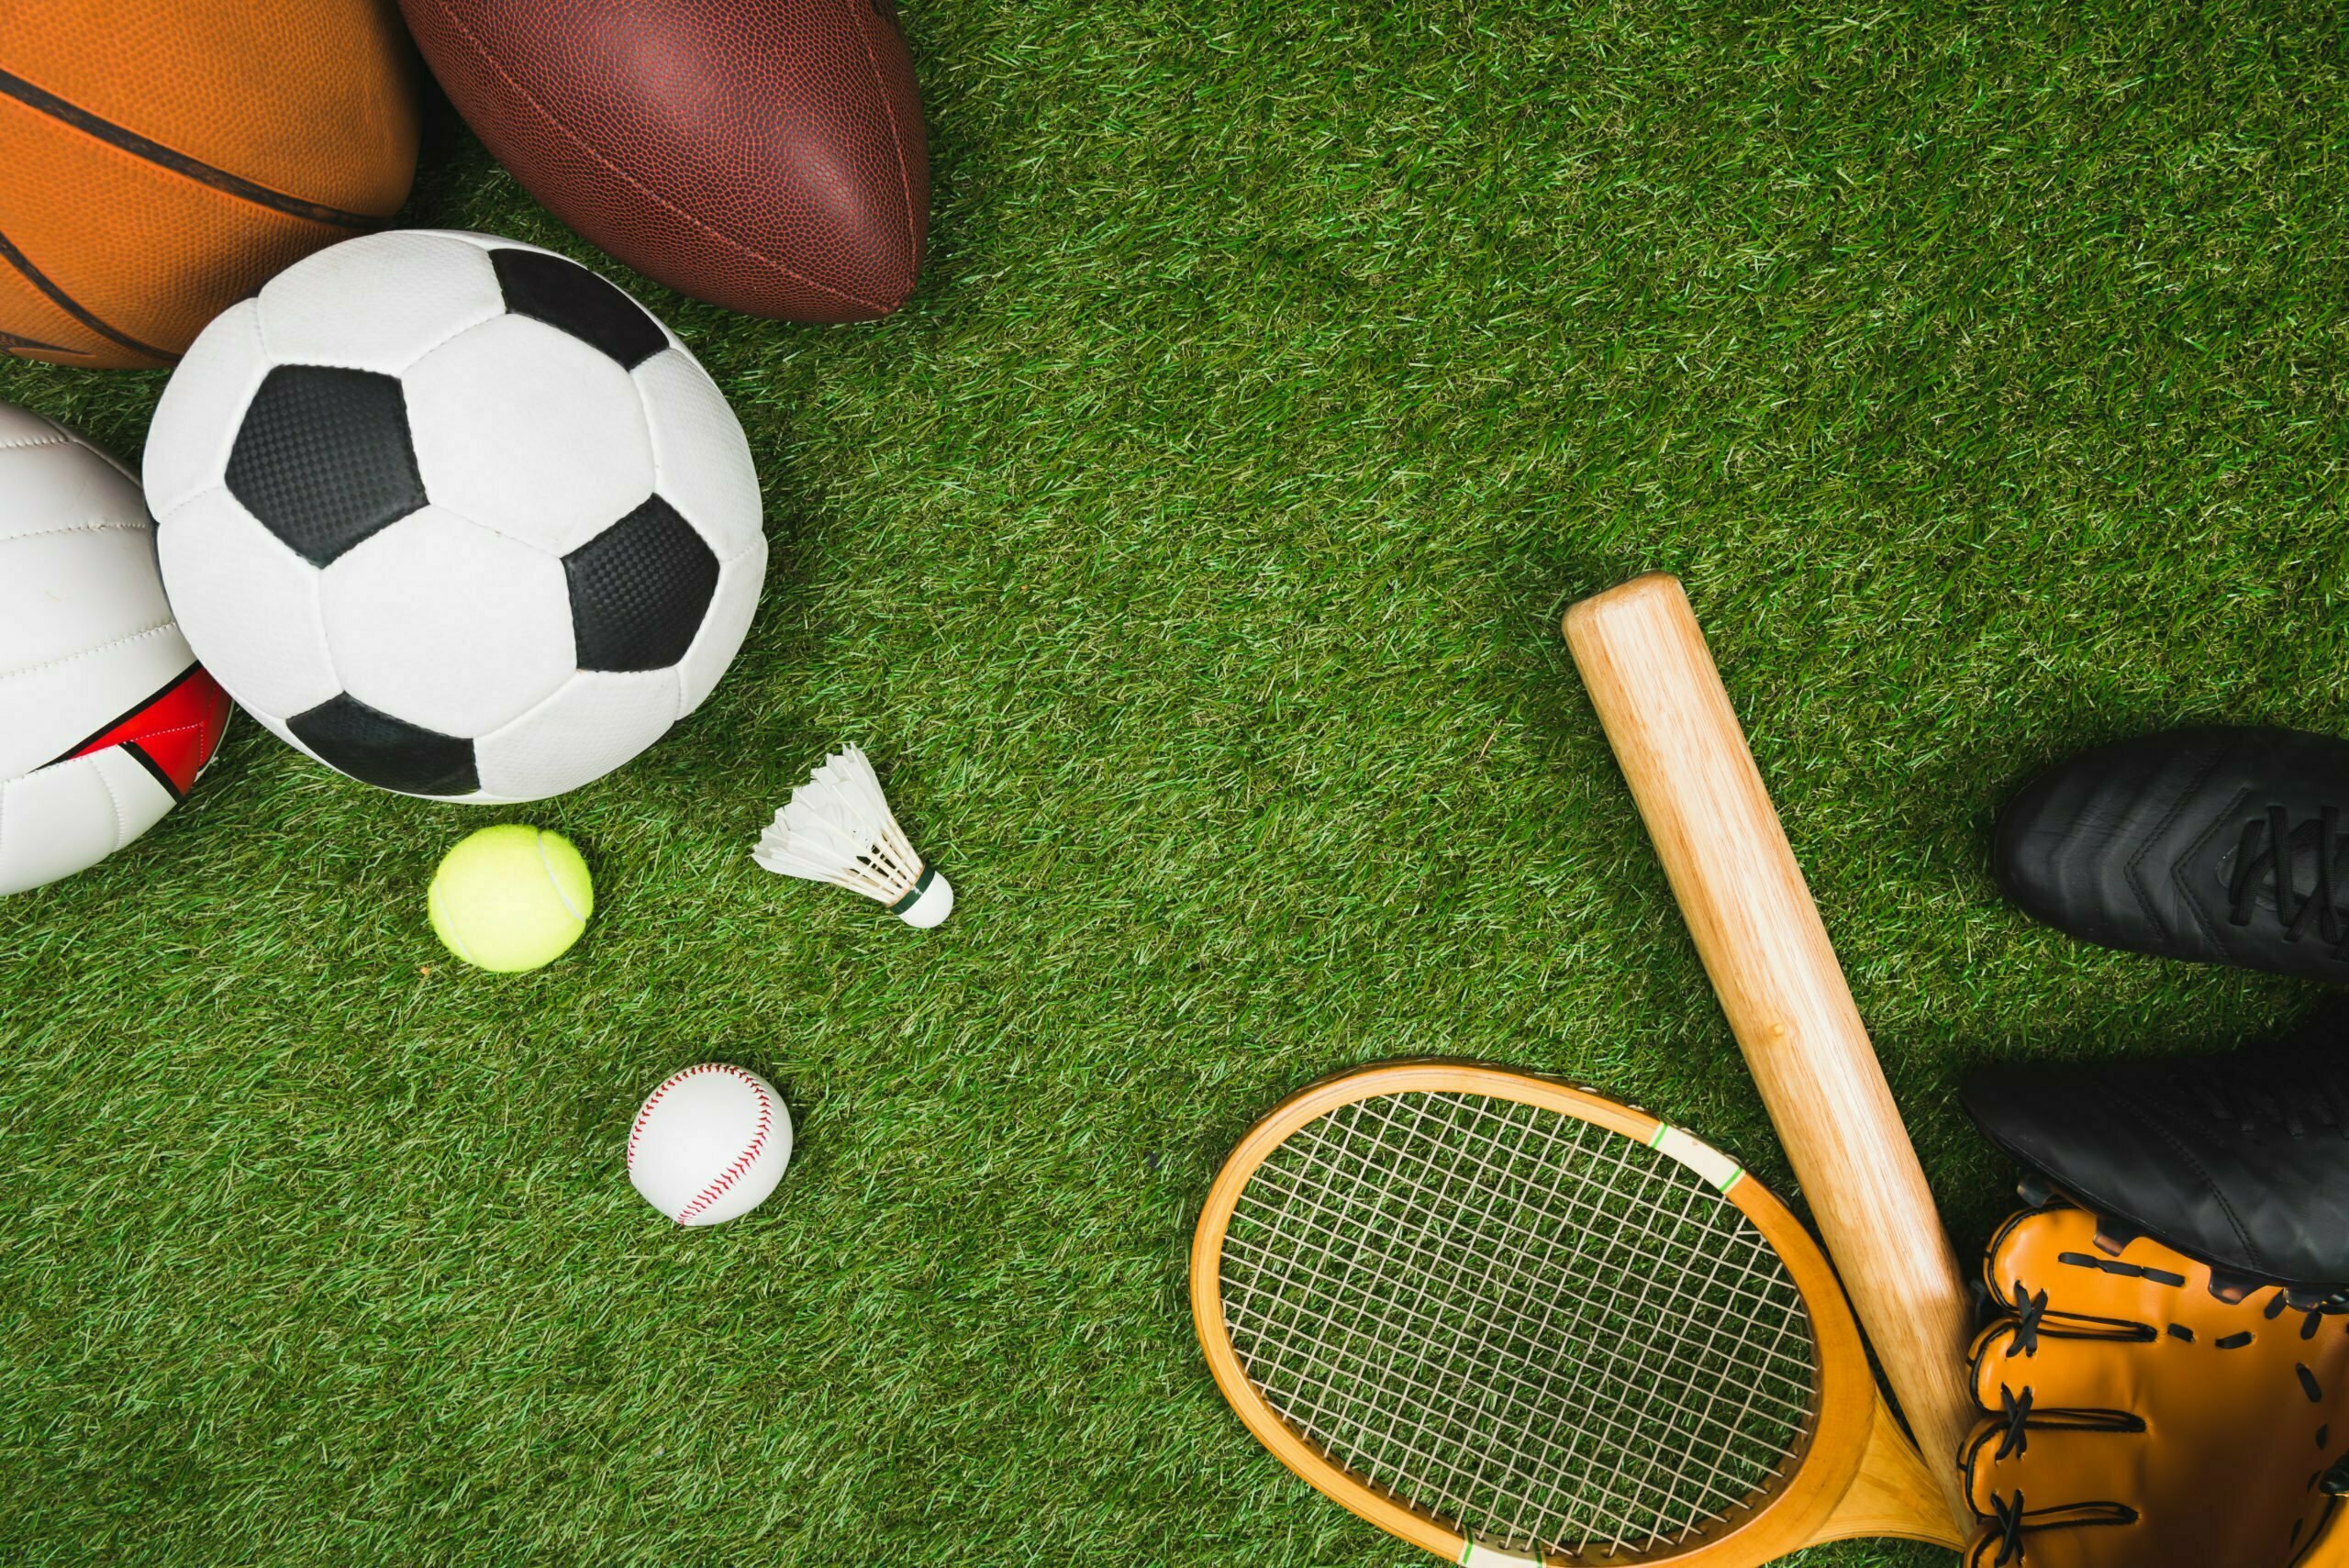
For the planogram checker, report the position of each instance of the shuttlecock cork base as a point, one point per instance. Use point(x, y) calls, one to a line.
point(838, 828)
point(929, 903)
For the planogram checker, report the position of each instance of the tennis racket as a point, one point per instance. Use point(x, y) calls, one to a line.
point(1514, 1322)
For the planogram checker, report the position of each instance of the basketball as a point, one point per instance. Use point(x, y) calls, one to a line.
point(165, 159)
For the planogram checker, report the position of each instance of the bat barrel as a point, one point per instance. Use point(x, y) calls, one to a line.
point(1668, 718)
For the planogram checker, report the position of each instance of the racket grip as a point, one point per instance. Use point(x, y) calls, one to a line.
point(1668, 718)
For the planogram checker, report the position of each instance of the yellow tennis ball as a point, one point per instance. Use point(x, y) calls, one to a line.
point(511, 898)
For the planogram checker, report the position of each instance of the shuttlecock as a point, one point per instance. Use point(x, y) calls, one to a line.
point(837, 828)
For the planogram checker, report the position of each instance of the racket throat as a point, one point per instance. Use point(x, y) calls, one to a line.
point(1893, 1495)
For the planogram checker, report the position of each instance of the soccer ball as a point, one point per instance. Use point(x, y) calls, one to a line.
point(455, 515)
point(105, 719)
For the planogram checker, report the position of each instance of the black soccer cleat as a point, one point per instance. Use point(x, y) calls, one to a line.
point(2216, 845)
point(2241, 1161)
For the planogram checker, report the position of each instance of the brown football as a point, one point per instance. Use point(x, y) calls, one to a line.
point(765, 155)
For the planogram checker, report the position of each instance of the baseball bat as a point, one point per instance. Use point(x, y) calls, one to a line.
point(1668, 718)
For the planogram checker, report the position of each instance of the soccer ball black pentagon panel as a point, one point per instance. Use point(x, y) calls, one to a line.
point(454, 516)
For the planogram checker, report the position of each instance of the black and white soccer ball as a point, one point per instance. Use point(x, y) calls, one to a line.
point(455, 515)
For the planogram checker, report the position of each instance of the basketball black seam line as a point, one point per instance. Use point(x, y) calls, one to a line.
point(149, 700)
point(74, 308)
point(128, 140)
point(14, 340)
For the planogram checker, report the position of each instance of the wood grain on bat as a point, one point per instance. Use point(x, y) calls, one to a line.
point(1665, 712)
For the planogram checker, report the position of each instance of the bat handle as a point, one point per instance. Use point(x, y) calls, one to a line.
point(1685, 755)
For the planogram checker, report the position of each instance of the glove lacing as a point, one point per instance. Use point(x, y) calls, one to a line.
point(2016, 1439)
point(2029, 1309)
point(2006, 1518)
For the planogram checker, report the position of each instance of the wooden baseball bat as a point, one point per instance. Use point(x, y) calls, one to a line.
point(1661, 700)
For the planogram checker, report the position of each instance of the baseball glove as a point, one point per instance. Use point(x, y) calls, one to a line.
point(2136, 1417)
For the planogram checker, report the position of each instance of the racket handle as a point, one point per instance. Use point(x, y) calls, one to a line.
point(1669, 720)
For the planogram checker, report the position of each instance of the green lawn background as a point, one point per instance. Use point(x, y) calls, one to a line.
point(1189, 554)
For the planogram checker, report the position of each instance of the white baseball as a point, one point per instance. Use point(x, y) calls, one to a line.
point(710, 1144)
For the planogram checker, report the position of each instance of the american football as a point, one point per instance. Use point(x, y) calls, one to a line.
point(765, 155)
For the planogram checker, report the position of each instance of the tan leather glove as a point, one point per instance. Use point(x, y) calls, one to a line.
point(2135, 1419)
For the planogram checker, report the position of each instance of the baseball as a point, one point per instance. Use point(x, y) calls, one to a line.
point(710, 1144)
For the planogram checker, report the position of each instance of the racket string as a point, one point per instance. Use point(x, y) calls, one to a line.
point(1531, 1327)
point(1543, 1463)
point(1491, 1411)
point(1390, 1434)
point(1643, 1374)
point(1796, 1388)
point(1717, 1479)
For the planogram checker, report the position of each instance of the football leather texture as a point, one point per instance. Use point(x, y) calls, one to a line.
point(764, 155)
point(163, 160)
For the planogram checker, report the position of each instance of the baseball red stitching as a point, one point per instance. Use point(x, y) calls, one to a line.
point(749, 1156)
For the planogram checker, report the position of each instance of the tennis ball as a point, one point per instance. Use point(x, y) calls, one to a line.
point(511, 898)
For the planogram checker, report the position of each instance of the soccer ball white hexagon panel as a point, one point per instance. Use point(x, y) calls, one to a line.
point(448, 624)
point(446, 283)
point(557, 469)
point(455, 515)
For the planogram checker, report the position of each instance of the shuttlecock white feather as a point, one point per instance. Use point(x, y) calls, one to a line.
point(837, 828)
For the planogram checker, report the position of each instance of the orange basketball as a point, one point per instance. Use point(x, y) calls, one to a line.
point(163, 158)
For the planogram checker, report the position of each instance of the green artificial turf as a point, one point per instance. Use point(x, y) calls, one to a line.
point(1189, 554)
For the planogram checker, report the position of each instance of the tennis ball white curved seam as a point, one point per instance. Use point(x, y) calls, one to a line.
point(539, 843)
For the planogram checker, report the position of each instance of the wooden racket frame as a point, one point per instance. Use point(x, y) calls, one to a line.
point(1855, 1475)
